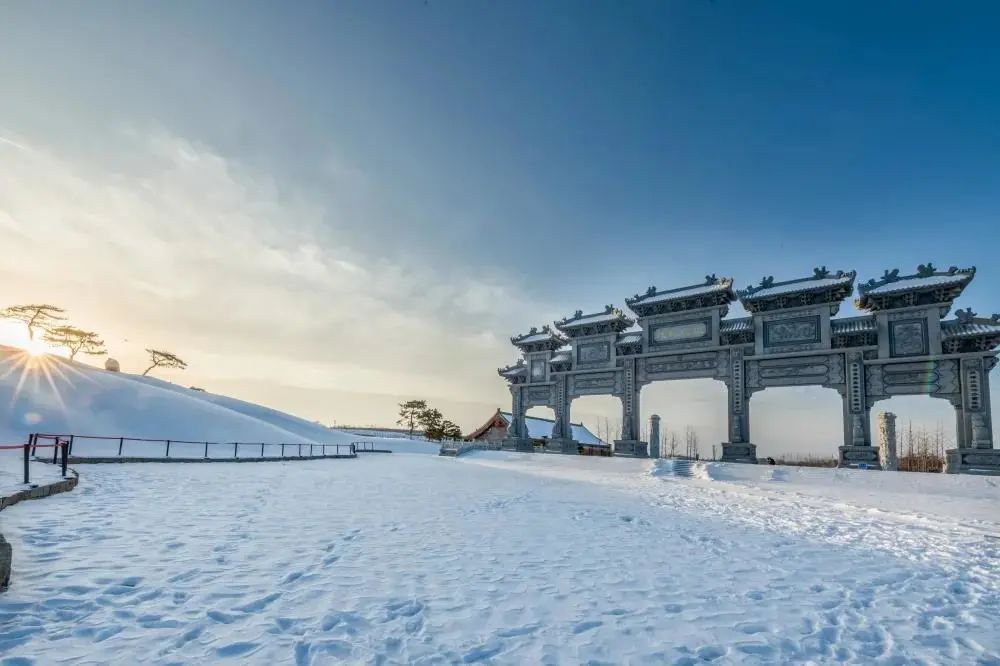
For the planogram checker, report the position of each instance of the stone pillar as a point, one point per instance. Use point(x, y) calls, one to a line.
point(887, 441)
point(654, 436)
point(738, 448)
point(857, 450)
point(561, 440)
point(974, 435)
point(517, 433)
point(630, 444)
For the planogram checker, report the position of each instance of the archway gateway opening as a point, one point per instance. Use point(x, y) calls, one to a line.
point(798, 425)
point(601, 414)
point(916, 434)
point(692, 413)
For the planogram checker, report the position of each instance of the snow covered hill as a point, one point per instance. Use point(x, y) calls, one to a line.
point(58, 396)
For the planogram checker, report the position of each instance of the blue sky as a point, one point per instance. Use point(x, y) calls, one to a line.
point(432, 177)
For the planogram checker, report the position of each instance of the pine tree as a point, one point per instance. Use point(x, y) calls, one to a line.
point(34, 316)
point(163, 359)
point(409, 413)
point(432, 421)
point(450, 430)
point(75, 340)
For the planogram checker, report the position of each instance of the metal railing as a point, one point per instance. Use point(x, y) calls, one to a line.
point(118, 444)
point(60, 449)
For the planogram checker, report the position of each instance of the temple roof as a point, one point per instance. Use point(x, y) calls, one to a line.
point(630, 338)
point(713, 291)
point(518, 369)
point(881, 293)
point(610, 320)
point(849, 325)
point(735, 325)
point(562, 356)
point(543, 339)
point(967, 325)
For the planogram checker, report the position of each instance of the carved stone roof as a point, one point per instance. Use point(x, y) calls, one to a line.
point(518, 369)
point(630, 338)
point(610, 320)
point(822, 287)
point(562, 356)
point(713, 291)
point(849, 325)
point(885, 292)
point(967, 325)
point(736, 325)
point(535, 340)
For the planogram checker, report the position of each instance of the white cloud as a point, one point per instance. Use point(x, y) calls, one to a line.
point(180, 247)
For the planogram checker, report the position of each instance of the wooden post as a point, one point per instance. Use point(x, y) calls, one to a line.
point(71, 443)
point(236, 448)
point(262, 449)
point(121, 445)
point(55, 450)
point(206, 449)
point(168, 448)
point(27, 474)
point(65, 457)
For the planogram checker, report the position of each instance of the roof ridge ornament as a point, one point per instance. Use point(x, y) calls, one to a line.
point(711, 279)
point(820, 272)
point(766, 282)
point(966, 316)
point(926, 270)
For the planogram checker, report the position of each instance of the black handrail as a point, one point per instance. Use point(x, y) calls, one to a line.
point(337, 449)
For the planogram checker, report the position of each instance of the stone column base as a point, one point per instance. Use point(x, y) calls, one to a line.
point(741, 452)
point(859, 457)
point(560, 445)
point(525, 445)
point(632, 448)
point(972, 461)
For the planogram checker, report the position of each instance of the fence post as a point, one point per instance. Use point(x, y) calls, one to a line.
point(300, 450)
point(27, 454)
point(236, 448)
point(206, 449)
point(262, 449)
point(55, 451)
point(282, 449)
point(71, 443)
point(121, 445)
point(65, 457)
point(324, 450)
point(33, 442)
point(311, 455)
point(168, 448)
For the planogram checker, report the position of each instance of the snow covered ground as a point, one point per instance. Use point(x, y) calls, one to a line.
point(53, 395)
point(502, 557)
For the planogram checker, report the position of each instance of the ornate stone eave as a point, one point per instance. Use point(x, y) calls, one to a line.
point(736, 331)
point(822, 287)
point(713, 292)
point(629, 343)
point(969, 333)
point(927, 286)
point(611, 320)
point(561, 361)
point(516, 373)
point(854, 332)
point(538, 340)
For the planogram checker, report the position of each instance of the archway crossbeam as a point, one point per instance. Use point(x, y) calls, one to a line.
point(903, 345)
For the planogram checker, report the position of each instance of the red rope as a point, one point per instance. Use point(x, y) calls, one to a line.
point(6, 447)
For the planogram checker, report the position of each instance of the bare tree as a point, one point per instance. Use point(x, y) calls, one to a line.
point(34, 316)
point(672, 443)
point(690, 442)
point(163, 359)
point(75, 340)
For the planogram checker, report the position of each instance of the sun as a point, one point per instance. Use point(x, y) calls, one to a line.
point(36, 347)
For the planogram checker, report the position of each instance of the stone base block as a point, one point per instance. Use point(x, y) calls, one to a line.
point(525, 445)
point(859, 457)
point(567, 446)
point(972, 461)
point(632, 448)
point(740, 452)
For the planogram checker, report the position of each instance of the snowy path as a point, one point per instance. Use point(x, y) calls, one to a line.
point(504, 558)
